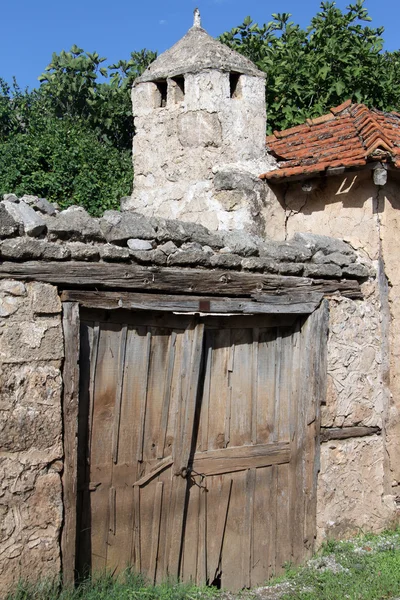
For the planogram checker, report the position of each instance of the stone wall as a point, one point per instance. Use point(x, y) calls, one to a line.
point(31, 351)
point(198, 158)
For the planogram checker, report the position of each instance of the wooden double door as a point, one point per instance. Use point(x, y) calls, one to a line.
point(198, 439)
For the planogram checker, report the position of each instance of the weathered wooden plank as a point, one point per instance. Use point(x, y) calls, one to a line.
point(156, 531)
point(118, 393)
point(247, 556)
point(301, 303)
point(182, 459)
point(205, 401)
point(343, 433)
point(123, 276)
point(167, 395)
point(191, 397)
point(254, 386)
point(136, 529)
point(241, 460)
point(315, 351)
point(70, 421)
point(162, 465)
point(143, 403)
point(219, 534)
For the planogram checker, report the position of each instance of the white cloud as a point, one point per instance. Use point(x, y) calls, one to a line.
point(162, 22)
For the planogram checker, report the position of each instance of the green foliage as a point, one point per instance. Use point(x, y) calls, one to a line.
point(310, 70)
point(70, 140)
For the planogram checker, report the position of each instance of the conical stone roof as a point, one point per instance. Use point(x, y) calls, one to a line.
point(197, 51)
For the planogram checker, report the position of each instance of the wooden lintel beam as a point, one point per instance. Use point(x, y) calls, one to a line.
point(302, 303)
point(103, 276)
point(343, 433)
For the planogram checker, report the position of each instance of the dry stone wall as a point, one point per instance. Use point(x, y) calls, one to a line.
point(31, 351)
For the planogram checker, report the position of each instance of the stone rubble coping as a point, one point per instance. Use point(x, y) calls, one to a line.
point(32, 228)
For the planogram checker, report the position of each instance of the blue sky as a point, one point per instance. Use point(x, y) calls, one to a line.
point(32, 29)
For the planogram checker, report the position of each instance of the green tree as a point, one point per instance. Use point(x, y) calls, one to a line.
point(70, 140)
point(310, 70)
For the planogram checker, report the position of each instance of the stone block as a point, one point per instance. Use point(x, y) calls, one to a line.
point(52, 251)
point(254, 263)
point(324, 243)
point(336, 258)
point(21, 249)
point(73, 224)
point(137, 244)
point(45, 298)
point(119, 227)
point(192, 258)
point(168, 248)
point(26, 341)
point(10, 197)
point(312, 270)
point(40, 204)
point(285, 251)
point(8, 224)
point(149, 257)
point(288, 268)
point(356, 271)
point(240, 242)
point(81, 251)
point(111, 253)
point(23, 214)
point(226, 261)
point(30, 407)
point(199, 129)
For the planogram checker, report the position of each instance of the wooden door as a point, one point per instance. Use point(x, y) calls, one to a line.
point(197, 445)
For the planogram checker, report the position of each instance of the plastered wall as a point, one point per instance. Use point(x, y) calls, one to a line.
point(364, 346)
point(31, 350)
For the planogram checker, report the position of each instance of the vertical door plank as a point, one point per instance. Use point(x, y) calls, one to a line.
point(315, 344)
point(263, 499)
point(191, 532)
point(167, 395)
point(118, 395)
point(232, 576)
point(202, 552)
point(144, 398)
point(136, 537)
point(254, 386)
point(219, 389)
point(155, 538)
point(182, 462)
point(248, 526)
point(70, 421)
point(240, 423)
point(205, 402)
point(219, 532)
point(266, 386)
point(283, 538)
point(106, 382)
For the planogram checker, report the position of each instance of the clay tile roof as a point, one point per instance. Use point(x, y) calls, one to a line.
point(350, 135)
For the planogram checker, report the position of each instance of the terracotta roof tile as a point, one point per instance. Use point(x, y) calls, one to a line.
point(349, 135)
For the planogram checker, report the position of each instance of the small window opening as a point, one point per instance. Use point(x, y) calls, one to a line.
point(179, 88)
point(234, 83)
point(162, 87)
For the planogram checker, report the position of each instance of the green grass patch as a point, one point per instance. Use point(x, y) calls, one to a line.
point(364, 568)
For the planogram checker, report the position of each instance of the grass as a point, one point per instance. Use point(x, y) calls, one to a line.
point(365, 568)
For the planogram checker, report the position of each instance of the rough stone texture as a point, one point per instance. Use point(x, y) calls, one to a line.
point(23, 214)
point(322, 271)
point(113, 253)
point(356, 391)
point(135, 244)
point(195, 52)
point(8, 225)
point(81, 251)
point(73, 224)
point(119, 228)
point(351, 493)
point(31, 349)
point(198, 157)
